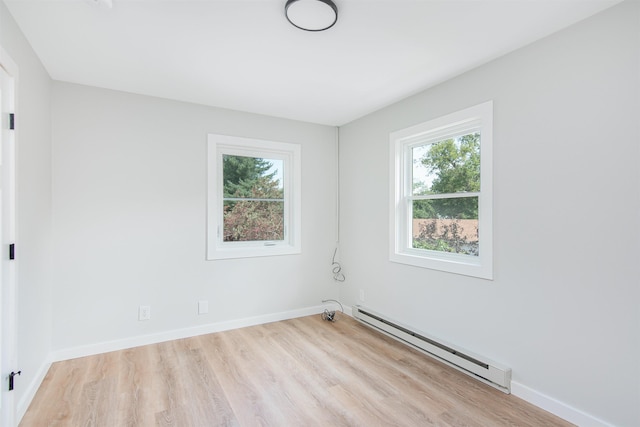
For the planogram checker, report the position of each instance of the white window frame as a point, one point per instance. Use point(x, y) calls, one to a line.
point(476, 118)
point(290, 154)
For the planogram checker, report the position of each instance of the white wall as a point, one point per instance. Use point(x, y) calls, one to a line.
point(33, 209)
point(563, 311)
point(129, 186)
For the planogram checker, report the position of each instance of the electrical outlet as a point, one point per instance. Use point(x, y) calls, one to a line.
point(144, 312)
point(203, 307)
point(362, 295)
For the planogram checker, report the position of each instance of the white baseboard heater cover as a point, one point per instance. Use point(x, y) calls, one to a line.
point(482, 369)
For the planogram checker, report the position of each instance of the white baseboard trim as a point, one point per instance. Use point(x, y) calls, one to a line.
point(32, 388)
point(105, 347)
point(556, 407)
point(348, 311)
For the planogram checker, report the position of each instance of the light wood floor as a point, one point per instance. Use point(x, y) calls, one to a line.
point(300, 372)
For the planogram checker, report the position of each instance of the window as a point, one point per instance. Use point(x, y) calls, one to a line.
point(441, 193)
point(253, 198)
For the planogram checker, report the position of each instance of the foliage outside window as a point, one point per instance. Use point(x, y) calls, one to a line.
point(253, 198)
point(446, 183)
point(441, 185)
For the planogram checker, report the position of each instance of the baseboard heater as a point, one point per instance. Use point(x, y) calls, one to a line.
point(484, 370)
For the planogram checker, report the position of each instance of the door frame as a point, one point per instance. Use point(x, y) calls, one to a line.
point(8, 292)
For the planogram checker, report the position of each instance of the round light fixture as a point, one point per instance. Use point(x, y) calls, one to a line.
point(311, 15)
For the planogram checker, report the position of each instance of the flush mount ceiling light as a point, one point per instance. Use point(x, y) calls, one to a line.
point(311, 15)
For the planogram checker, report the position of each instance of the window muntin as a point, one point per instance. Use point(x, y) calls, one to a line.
point(441, 188)
point(254, 198)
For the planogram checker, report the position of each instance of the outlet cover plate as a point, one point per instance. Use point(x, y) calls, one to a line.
point(203, 307)
point(144, 312)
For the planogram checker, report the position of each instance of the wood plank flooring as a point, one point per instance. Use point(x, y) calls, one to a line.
point(300, 372)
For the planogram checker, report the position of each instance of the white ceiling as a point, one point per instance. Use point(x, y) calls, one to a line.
point(245, 55)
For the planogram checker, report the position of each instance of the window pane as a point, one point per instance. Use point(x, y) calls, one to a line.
point(448, 166)
point(447, 225)
point(253, 220)
point(252, 177)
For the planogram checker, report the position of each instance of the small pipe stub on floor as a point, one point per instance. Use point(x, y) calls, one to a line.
point(330, 315)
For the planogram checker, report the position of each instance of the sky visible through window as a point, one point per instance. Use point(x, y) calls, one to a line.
point(277, 168)
point(420, 172)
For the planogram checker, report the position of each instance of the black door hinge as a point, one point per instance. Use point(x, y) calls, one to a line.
point(12, 121)
point(11, 375)
point(12, 251)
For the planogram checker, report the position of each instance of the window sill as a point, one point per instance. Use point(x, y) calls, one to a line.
point(451, 263)
point(252, 251)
